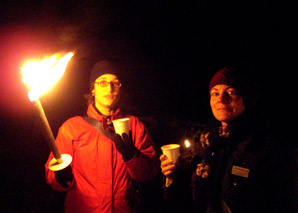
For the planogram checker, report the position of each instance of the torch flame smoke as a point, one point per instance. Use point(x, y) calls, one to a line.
point(40, 76)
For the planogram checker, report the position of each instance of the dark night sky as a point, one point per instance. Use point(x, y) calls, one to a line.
point(170, 50)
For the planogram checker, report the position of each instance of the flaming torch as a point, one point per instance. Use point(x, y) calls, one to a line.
point(39, 77)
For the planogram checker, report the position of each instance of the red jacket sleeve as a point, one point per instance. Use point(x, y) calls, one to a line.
point(144, 165)
point(64, 143)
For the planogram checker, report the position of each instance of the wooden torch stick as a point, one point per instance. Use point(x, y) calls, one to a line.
point(44, 124)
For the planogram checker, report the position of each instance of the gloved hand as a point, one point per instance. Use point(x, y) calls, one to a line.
point(125, 146)
point(64, 177)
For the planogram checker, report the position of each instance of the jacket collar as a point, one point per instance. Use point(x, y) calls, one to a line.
point(95, 114)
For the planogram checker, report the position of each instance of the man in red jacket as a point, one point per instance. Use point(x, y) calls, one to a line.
point(100, 177)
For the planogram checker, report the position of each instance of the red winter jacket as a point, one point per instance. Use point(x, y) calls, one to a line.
point(102, 180)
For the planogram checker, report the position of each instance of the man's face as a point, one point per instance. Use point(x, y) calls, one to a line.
point(106, 91)
point(226, 103)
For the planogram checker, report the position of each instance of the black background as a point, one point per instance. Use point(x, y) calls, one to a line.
point(170, 50)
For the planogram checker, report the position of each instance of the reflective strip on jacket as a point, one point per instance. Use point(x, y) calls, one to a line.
point(102, 179)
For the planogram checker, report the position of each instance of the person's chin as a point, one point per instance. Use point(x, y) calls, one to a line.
point(110, 104)
point(223, 118)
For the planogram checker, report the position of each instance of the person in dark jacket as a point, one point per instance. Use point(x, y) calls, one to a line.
point(243, 168)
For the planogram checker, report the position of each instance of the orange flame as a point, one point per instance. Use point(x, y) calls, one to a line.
point(40, 76)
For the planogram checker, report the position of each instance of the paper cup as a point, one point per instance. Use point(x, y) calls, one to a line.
point(172, 151)
point(121, 126)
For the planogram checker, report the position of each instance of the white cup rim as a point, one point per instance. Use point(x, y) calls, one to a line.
point(170, 146)
point(121, 120)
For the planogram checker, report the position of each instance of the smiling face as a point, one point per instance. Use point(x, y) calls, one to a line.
point(226, 103)
point(107, 92)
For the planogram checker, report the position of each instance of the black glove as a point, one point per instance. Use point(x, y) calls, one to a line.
point(64, 176)
point(125, 146)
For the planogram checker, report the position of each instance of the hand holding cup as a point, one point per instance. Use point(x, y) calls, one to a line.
point(167, 166)
point(121, 126)
point(171, 153)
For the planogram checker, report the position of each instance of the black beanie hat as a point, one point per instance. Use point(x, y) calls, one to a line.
point(101, 68)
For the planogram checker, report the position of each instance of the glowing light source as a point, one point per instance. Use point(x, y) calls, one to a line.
point(40, 76)
point(187, 143)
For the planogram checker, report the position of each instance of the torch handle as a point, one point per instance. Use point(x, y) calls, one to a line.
point(47, 129)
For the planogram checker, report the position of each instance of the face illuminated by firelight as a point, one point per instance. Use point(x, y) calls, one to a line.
point(226, 103)
point(106, 93)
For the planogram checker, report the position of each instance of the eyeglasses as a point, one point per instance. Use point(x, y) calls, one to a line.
point(104, 83)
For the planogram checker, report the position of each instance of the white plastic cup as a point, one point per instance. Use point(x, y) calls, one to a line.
point(121, 126)
point(172, 151)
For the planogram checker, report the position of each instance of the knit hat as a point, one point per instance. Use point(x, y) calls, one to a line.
point(226, 76)
point(103, 67)
point(240, 81)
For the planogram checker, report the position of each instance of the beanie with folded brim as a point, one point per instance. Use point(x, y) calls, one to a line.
point(226, 76)
point(237, 80)
point(101, 68)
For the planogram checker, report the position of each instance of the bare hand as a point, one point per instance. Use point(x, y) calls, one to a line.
point(167, 166)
